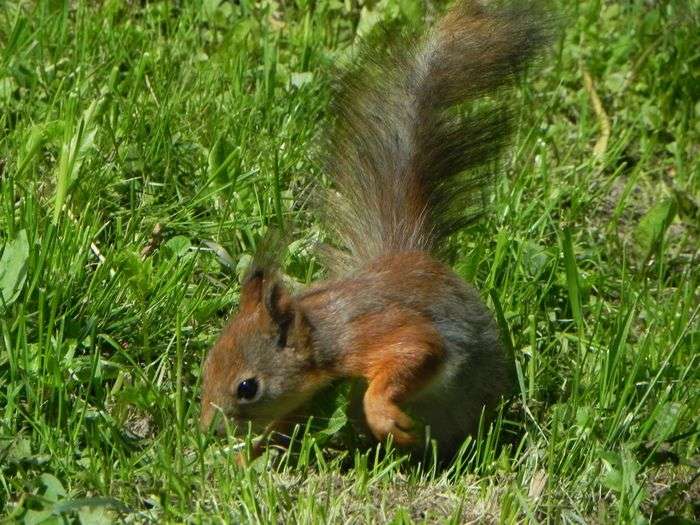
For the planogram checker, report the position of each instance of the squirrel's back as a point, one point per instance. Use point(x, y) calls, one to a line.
point(407, 169)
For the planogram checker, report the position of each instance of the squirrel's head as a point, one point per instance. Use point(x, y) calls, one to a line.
point(262, 366)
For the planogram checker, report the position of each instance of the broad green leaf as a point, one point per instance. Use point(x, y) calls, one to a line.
point(17, 450)
point(613, 480)
point(178, 245)
point(40, 517)
point(337, 420)
point(94, 516)
point(91, 511)
point(54, 488)
point(13, 268)
point(298, 79)
point(535, 257)
point(226, 260)
point(330, 410)
point(654, 224)
point(98, 502)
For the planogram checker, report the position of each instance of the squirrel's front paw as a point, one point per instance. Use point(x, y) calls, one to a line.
point(384, 418)
point(242, 459)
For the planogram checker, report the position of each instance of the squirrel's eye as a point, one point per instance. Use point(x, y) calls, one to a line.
point(247, 389)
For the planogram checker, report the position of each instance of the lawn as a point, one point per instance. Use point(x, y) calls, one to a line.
point(145, 148)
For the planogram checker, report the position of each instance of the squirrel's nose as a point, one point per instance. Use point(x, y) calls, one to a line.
point(205, 417)
point(209, 414)
point(213, 417)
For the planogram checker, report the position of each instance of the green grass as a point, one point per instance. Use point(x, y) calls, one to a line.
point(202, 118)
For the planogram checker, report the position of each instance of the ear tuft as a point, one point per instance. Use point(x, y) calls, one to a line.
point(251, 290)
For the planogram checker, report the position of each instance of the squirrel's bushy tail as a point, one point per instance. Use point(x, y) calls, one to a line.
point(401, 160)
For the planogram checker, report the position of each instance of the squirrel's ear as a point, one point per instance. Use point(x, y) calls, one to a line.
point(294, 330)
point(278, 303)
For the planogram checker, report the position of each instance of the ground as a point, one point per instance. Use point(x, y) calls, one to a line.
point(144, 149)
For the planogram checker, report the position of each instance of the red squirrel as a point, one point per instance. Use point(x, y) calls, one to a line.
point(407, 171)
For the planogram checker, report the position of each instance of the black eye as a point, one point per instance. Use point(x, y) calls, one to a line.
point(247, 389)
